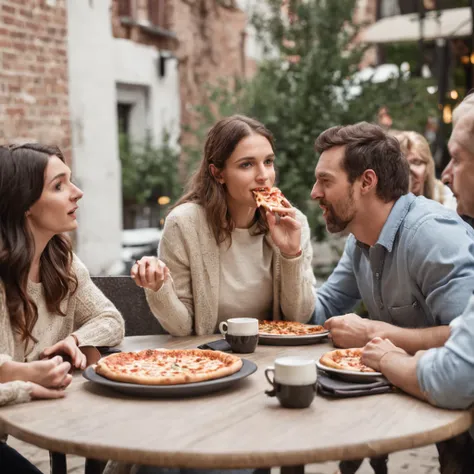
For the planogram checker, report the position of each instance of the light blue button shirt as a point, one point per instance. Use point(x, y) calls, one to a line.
point(420, 273)
point(446, 374)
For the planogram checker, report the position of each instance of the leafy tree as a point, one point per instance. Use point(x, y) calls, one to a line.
point(147, 171)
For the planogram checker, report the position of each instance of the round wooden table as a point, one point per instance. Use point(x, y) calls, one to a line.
point(237, 428)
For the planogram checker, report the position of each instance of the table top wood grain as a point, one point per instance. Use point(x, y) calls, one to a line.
point(236, 428)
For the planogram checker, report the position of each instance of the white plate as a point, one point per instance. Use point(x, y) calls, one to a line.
point(350, 375)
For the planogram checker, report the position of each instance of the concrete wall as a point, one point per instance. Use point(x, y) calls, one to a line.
point(156, 99)
point(96, 166)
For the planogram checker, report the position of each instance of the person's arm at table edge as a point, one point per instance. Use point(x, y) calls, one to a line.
point(445, 374)
point(401, 370)
point(411, 340)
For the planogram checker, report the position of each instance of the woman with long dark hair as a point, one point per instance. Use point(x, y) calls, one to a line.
point(49, 306)
point(220, 256)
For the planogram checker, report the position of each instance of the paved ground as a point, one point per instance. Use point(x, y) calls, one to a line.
point(416, 461)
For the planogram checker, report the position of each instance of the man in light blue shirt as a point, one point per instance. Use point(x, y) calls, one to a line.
point(409, 259)
point(443, 376)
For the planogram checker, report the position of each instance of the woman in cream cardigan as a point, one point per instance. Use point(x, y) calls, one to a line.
point(49, 306)
point(219, 256)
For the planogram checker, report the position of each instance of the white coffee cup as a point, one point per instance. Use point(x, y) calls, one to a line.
point(292, 370)
point(239, 327)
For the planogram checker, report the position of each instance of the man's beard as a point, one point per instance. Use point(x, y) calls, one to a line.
point(336, 223)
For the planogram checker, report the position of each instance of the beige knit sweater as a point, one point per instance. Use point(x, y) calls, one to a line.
point(187, 302)
point(90, 316)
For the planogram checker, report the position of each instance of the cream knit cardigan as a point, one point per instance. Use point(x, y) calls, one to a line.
point(90, 316)
point(187, 303)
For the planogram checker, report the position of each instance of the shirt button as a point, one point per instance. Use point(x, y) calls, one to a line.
point(377, 275)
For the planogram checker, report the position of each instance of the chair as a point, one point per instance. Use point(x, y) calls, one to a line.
point(130, 300)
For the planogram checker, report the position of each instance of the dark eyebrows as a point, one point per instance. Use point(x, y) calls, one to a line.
point(250, 158)
point(324, 175)
point(60, 175)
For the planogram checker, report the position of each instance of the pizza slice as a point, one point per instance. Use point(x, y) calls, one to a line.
point(272, 199)
point(288, 328)
point(345, 359)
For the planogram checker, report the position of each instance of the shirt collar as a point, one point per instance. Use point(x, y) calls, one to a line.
point(394, 221)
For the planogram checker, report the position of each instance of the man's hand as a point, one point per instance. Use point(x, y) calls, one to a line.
point(376, 349)
point(51, 373)
point(348, 331)
point(149, 272)
point(67, 347)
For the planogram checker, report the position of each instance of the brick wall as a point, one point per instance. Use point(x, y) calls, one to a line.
point(33, 73)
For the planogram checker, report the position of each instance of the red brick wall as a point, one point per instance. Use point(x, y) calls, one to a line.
point(33, 73)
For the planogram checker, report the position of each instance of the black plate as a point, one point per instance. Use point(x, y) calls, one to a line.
point(275, 340)
point(181, 390)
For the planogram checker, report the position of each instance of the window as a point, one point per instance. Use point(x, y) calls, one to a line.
point(123, 115)
point(125, 7)
point(156, 12)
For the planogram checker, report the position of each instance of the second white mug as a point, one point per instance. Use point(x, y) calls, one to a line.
point(239, 327)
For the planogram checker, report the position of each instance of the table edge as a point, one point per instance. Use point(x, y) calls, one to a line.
point(210, 460)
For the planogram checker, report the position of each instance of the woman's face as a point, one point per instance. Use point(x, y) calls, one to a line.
point(417, 174)
point(55, 211)
point(249, 167)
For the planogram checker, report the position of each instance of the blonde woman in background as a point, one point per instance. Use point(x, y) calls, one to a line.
point(423, 181)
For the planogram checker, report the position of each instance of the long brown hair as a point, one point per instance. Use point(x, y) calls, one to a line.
point(22, 170)
point(205, 190)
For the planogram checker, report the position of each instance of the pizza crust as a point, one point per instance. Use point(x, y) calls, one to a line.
point(335, 360)
point(132, 367)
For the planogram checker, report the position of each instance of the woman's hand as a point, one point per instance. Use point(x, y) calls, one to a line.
point(149, 272)
point(285, 230)
point(51, 373)
point(39, 392)
point(67, 347)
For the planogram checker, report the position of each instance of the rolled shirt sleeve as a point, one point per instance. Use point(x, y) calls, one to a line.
point(446, 374)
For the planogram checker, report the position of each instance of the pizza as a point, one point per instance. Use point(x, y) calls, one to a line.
point(287, 328)
point(345, 359)
point(272, 199)
point(168, 367)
